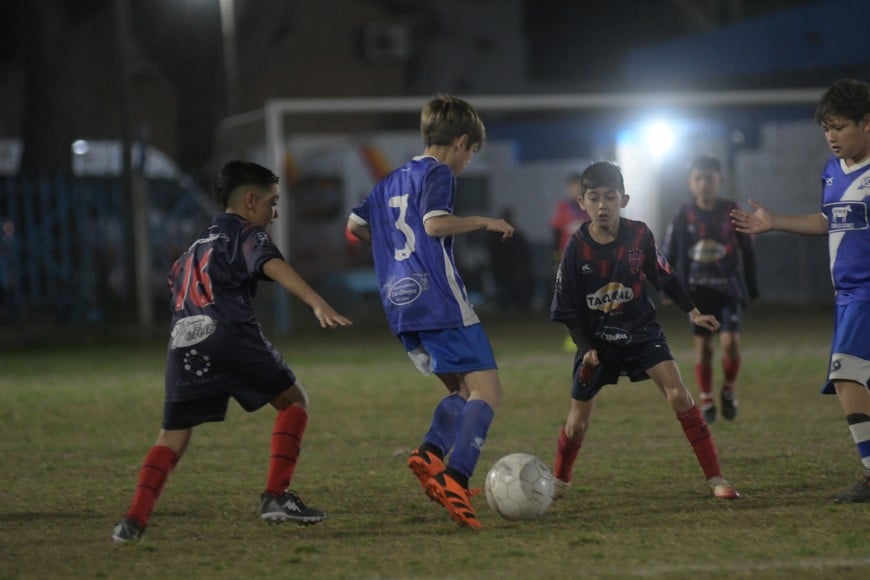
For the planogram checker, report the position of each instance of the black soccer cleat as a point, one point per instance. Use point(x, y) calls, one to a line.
point(860, 492)
point(288, 507)
point(709, 413)
point(729, 405)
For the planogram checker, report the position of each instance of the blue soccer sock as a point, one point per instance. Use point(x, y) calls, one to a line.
point(442, 432)
point(471, 434)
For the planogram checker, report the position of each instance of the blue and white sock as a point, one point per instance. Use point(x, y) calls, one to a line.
point(859, 426)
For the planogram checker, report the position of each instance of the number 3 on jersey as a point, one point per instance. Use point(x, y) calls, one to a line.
point(195, 282)
point(400, 254)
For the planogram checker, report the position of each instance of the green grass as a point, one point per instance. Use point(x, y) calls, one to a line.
point(76, 421)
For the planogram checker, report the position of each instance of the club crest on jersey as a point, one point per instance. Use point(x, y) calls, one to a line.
point(865, 183)
point(609, 297)
point(635, 258)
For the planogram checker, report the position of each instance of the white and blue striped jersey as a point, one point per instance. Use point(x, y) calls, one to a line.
point(420, 286)
point(846, 204)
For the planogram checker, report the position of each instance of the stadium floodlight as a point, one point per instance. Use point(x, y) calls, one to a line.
point(80, 147)
point(659, 137)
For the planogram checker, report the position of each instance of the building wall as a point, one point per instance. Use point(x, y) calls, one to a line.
point(783, 174)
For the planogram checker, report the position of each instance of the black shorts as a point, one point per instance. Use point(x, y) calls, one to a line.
point(727, 310)
point(630, 360)
point(202, 377)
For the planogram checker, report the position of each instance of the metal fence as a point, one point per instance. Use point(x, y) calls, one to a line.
point(64, 243)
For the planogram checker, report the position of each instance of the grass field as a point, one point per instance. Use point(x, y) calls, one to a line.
point(76, 421)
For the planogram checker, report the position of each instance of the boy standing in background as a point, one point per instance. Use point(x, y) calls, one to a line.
point(716, 263)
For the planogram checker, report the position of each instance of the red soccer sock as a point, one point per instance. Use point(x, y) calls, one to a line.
point(699, 436)
point(566, 454)
point(285, 447)
point(704, 378)
point(730, 367)
point(156, 467)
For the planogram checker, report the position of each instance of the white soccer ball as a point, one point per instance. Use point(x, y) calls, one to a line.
point(519, 486)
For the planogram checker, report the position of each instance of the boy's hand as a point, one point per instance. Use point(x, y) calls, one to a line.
point(590, 361)
point(707, 321)
point(328, 317)
point(499, 226)
point(757, 222)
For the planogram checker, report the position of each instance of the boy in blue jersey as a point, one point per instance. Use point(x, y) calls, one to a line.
point(408, 219)
point(716, 264)
point(601, 296)
point(217, 349)
point(844, 114)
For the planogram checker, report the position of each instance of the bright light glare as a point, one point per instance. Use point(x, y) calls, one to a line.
point(80, 147)
point(658, 137)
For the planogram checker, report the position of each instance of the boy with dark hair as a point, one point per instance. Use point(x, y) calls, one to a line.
point(844, 114)
point(601, 296)
point(408, 219)
point(716, 264)
point(217, 349)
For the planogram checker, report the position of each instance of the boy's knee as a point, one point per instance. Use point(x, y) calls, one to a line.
point(295, 395)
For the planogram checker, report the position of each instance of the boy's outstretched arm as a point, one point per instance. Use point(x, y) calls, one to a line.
point(762, 220)
point(451, 225)
point(282, 273)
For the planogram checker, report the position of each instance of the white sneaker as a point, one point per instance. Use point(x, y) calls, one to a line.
point(560, 488)
point(722, 489)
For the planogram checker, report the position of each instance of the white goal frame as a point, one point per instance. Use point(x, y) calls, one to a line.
point(274, 112)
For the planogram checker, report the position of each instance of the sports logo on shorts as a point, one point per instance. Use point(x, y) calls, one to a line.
point(191, 330)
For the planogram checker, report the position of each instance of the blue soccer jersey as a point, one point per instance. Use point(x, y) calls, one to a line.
point(846, 204)
point(420, 286)
point(602, 288)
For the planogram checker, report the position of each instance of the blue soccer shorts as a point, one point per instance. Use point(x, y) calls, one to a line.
point(850, 346)
point(450, 350)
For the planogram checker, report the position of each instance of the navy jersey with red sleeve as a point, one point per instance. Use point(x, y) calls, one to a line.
point(708, 252)
point(601, 289)
point(216, 343)
point(218, 274)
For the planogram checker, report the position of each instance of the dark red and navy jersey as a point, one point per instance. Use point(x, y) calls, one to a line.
point(217, 276)
point(601, 289)
point(707, 252)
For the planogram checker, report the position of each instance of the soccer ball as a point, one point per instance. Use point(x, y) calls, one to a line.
point(519, 486)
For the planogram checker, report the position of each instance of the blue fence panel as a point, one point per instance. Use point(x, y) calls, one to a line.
point(64, 245)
